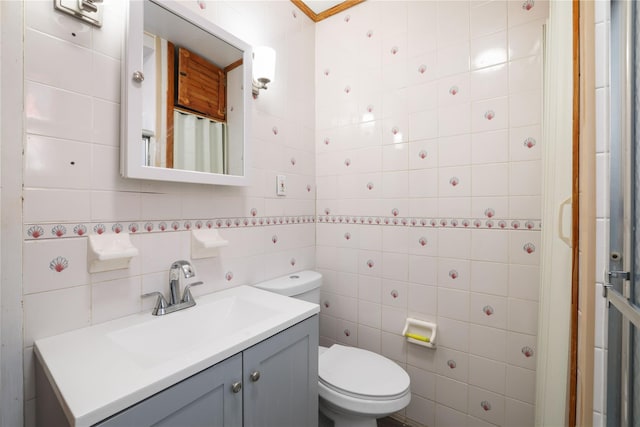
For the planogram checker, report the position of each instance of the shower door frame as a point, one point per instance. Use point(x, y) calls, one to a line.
point(624, 267)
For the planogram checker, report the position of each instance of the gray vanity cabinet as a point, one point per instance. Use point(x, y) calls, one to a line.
point(280, 379)
point(271, 384)
point(206, 399)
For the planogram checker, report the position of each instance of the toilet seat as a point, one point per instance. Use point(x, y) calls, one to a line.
point(361, 377)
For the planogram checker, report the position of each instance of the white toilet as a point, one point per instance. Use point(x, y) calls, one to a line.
point(355, 386)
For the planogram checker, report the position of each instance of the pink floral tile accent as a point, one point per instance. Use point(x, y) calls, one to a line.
point(347, 18)
point(454, 181)
point(529, 142)
point(35, 231)
point(274, 130)
point(274, 239)
point(422, 154)
point(99, 228)
point(489, 212)
point(347, 89)
point(292, 261)
point(133, 227)
point(528, 5)
point(59, 230)
point(394, 50)
point(369, 34)
point(370, 263)
point(527, 351)
point(451, 364)
point(148, 226)
point(488, 310)
point(117, 228)
point(394, 294)
point(529, 248)
point(347, 333)
point(422, 241)
point(80, 230)
point(453, 274)
point(58, 264)
point(453, 90)
point(228, 276)
point(347, 162)
point(422, 69)
point(489, 114)
point(486, 405)
point(347, 236)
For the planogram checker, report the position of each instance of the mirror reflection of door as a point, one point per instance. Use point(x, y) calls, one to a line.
point(186, 122)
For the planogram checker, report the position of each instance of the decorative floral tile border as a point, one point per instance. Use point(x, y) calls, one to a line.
point(482, 223)
point(70, 230)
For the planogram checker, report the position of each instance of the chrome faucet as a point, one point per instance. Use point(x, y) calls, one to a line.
point(175, 303)
point(174, 279)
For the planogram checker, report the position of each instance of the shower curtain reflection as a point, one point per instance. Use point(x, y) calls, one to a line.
point(199, 144)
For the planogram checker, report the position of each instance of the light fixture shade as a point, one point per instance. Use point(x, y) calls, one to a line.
point(264, 64)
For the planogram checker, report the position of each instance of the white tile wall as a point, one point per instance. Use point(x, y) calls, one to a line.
point(458, 138)
point(71, 175)
point(395, 126)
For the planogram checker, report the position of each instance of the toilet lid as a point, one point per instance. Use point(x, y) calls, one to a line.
point(359, 372)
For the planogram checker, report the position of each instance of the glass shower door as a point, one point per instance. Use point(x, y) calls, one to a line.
point(621, 291)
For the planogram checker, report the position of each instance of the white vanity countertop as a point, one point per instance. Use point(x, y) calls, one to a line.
point(101, 370)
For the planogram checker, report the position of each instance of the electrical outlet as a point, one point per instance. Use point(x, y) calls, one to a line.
point(281, 185)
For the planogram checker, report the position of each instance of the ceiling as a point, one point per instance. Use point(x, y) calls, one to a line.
point(318, 10)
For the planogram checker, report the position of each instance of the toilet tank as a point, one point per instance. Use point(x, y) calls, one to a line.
point(304, 285)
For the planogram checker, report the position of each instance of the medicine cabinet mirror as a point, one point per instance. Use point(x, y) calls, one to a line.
point(186, 97)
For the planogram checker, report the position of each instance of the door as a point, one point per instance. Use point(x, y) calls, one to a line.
point(210, 398)
point(623, 288)
point(281, 378)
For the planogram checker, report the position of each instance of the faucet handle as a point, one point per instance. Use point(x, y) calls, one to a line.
point(186, 296)
point(161, 303)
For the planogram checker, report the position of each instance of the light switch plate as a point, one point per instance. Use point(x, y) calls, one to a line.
point(281, 185)
point(75, 9)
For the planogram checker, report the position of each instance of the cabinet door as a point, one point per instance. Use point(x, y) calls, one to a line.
point(205, 399)
point(286, 392)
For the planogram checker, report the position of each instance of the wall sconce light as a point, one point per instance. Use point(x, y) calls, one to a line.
point(264, 68)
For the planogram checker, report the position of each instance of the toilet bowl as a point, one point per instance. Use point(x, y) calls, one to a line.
point(355, 386)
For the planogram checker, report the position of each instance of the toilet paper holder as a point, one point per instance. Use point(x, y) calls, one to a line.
point(420, 332)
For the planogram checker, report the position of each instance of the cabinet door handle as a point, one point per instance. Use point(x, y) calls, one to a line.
point(236, 387)
point(255, 376)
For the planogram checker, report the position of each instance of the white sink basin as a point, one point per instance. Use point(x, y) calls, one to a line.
point(165, 337)
point(103, 369)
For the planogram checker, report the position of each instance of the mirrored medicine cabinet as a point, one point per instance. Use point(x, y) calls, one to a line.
point(185, 109)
